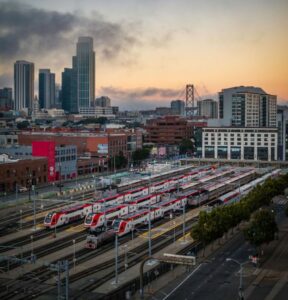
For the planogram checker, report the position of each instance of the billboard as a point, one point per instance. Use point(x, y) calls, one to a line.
point(102, 148)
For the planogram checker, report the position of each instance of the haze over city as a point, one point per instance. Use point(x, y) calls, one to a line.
point(147, 51)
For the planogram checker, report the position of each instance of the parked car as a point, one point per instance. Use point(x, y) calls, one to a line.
point(22, 189)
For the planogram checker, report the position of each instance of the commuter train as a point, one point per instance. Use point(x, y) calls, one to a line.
point(237, 194)
point(99, 219)
point(58, 218)
point(125, 225)
point(64, 216)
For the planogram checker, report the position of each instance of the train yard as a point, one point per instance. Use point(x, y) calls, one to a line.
point(101, 237)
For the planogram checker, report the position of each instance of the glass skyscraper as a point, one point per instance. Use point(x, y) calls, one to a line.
point(23, 85)
point(85, 68)
point(46, 88)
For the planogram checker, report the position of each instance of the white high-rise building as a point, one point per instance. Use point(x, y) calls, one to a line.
point(247, 107)
point(85, 68)
point(23, 85)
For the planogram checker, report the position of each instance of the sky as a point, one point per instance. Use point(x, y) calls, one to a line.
point(147, 51)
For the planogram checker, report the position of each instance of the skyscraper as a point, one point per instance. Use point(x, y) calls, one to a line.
point(208, 108)
point(178, 107)
point(103, 101)
point(6, 102)
point(46, 88)
point(85, 65)
point(23, 85)
point(68, 92)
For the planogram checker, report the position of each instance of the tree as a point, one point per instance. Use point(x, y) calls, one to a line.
point(186, 146)
point(140, 154)
point(118, 161)
point(23, 125)
point(262, 228)
point(286, 211)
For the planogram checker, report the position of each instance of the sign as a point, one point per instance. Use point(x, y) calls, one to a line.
point(102, 148)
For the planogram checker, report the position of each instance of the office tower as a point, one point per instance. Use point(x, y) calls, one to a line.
point(57, 95)
point(208, 108)
point(282, 125)
point(69, 90)
point(178, 107)
point(103, 101)
point(23, 85)
point(6, 102)
point(247, 107)
point(46, 88)
point(85, 67)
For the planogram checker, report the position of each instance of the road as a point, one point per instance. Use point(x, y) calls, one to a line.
point(216, 278)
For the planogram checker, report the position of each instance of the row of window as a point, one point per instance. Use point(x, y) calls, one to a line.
point(237, 144)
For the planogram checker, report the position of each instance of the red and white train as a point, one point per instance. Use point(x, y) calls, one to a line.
point(67, 215)
point(127, 224)
point(57, 218)
point(97, 220)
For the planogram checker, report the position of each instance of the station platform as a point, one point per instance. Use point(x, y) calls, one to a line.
point(58, 255)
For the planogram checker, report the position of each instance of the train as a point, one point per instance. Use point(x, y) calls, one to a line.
point(99, 219)
point(126, 224)
point(67, 215)
point(237, 194)
point(70, 214)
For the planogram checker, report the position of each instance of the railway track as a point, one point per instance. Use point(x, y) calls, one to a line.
point(43, 274)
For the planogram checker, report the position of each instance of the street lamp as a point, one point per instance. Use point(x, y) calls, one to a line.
point(74, 254)
point(32, 245)
point(34, 209)
point(60, 178)
point(240, 291)
point(20, 218)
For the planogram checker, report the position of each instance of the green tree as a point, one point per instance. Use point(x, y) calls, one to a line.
point(286, 211)
point(140, 154)
point(23, 125)
point(262, 228)
point(118, 161)
point(186, 146)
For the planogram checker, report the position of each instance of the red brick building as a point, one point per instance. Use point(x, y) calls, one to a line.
point(168, 130)
point(22, 173)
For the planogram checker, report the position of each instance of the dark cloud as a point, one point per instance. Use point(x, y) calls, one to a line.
point(6, 80)
point(146, 98)
point(25, 30)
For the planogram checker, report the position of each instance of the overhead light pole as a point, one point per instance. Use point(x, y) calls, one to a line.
point(240, 290)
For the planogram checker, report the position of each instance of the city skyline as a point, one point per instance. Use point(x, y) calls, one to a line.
point(148, 52)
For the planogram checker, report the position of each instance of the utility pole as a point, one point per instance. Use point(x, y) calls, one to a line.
point(60, 179)
point(184, 217)
point(34, 210)
point(149, 231)
point(20, 218)
point(61, 266)
point(116, 258)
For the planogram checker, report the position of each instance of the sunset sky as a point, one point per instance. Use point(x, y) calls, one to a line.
point(147, 51)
